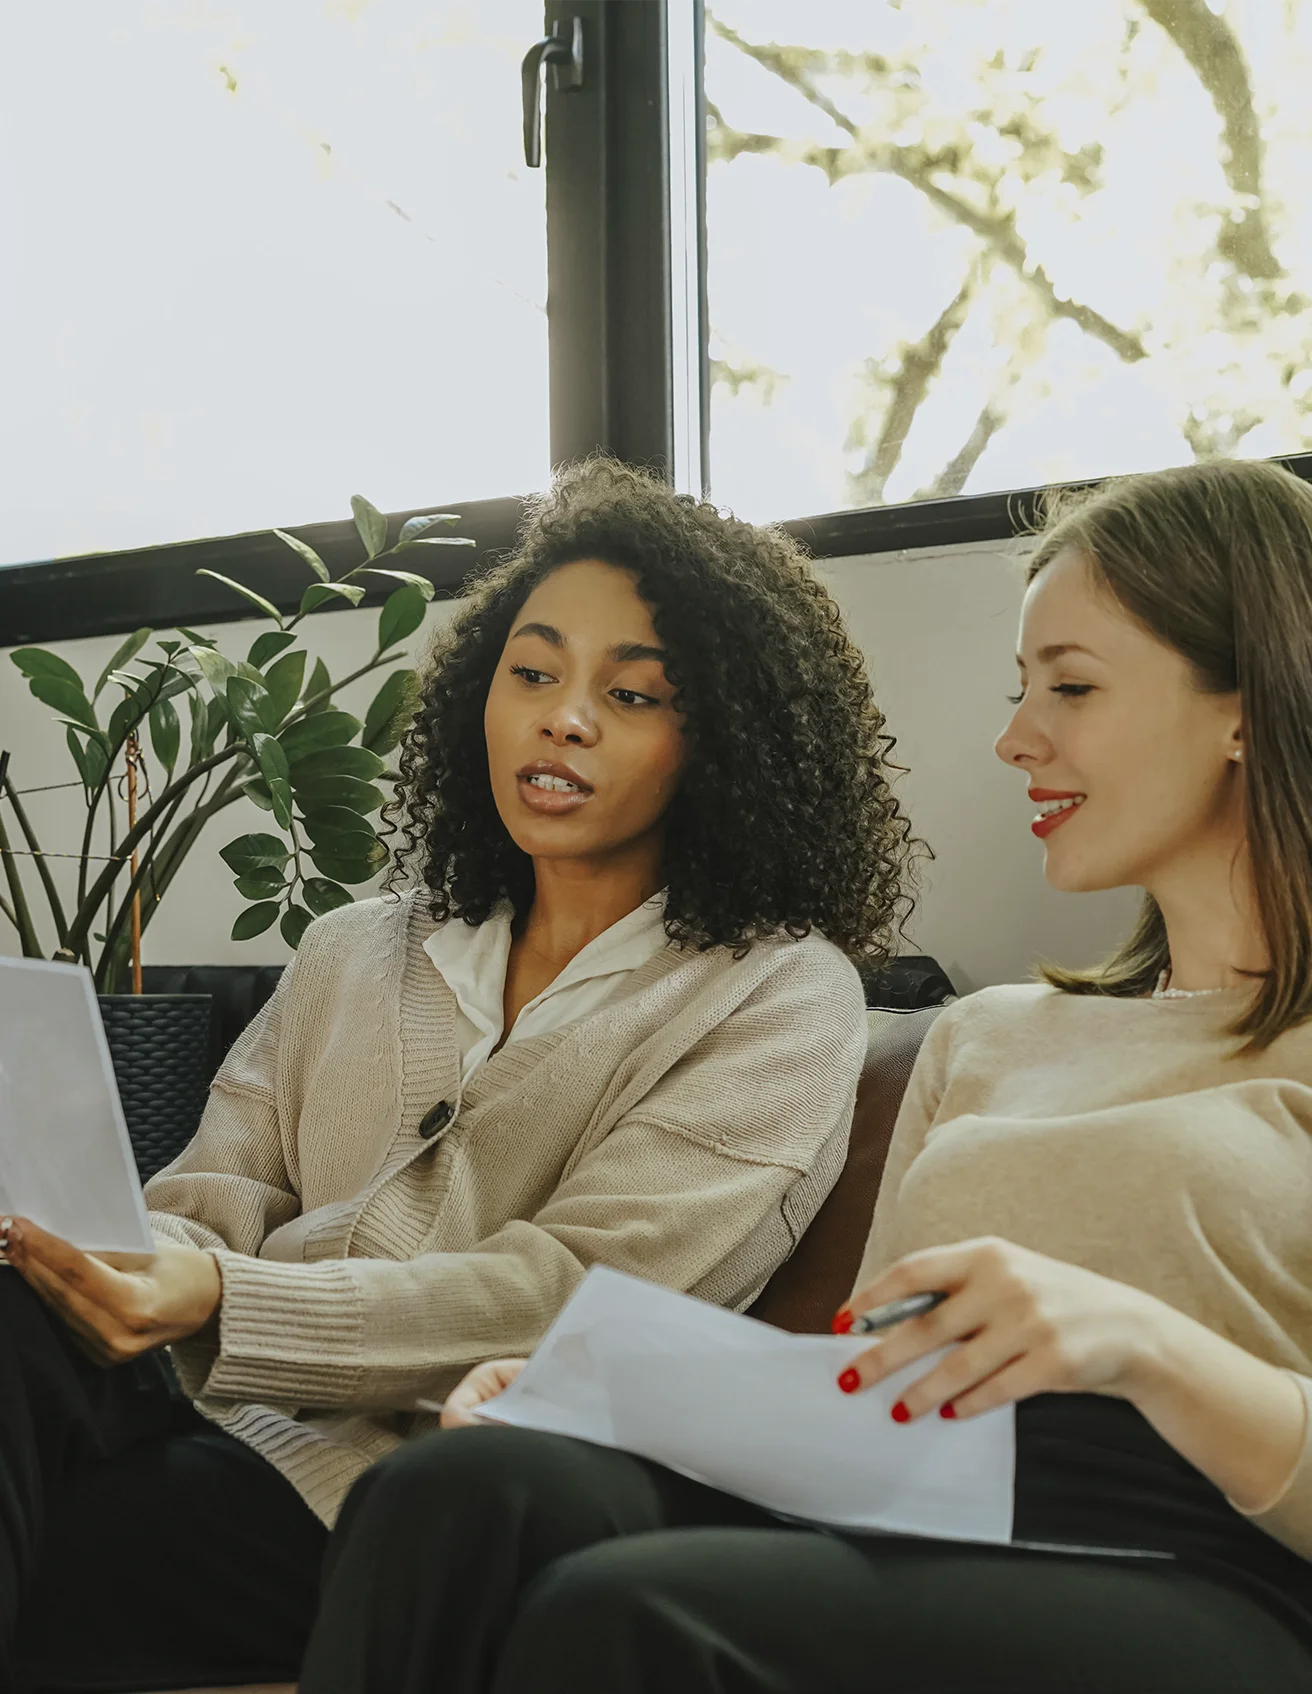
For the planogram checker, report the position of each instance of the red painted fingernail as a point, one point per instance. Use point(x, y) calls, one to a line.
point(947, 1410)
point(900, 1413)
point(843, 1321)
point(849, 1382)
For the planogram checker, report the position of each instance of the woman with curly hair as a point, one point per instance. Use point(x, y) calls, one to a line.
point(646, 812)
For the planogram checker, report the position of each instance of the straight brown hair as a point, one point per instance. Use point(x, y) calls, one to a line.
point(1216, 561)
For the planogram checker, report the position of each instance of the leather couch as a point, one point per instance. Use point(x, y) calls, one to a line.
point(807, 1290)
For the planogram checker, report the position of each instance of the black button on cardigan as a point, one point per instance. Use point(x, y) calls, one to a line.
point(436, 1118)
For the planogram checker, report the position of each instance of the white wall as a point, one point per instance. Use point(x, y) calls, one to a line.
point(938, 628)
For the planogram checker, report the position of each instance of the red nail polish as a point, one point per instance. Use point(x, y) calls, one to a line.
point(947, 1410)
point(849, 1382)
point(843, 1321)
point(900, 1413)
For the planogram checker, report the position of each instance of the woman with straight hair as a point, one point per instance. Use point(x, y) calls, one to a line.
point(615, 1021)
point(1108, 1174)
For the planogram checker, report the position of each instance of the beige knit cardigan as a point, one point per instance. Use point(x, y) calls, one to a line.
point(685, 1132)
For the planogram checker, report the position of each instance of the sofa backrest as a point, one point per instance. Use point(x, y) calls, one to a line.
point(806, 1291)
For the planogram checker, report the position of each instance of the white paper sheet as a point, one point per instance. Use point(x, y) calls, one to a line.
point(757, 1412)
point(65, 1158)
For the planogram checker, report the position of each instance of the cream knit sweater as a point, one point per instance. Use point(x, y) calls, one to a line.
point(686, 1132)
point(1126, 1136)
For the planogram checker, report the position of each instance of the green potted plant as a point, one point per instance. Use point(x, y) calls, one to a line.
point(266, 727)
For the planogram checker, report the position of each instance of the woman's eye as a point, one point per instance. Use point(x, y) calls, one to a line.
point(1015, 699)
point(1073, 690)
point(529, 674)
point(631, 697)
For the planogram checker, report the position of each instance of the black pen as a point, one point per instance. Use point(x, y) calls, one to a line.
point(896, 1311)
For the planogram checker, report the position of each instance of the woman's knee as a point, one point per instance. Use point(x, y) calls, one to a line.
point(477, 1483)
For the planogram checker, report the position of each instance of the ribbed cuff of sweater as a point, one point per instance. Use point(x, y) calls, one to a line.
point(289, 1334)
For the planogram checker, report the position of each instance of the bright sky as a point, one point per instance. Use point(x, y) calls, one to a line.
point(264, 254)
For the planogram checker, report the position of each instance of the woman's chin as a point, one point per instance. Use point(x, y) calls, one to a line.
point(1069, 873)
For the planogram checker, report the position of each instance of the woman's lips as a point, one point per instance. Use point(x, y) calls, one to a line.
point(551, 802)
point(1043, 827)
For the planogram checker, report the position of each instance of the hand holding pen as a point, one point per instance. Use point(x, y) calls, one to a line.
point(1007, 1323)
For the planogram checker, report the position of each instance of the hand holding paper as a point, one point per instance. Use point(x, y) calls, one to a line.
point(756, 1412)
point(119, 1305)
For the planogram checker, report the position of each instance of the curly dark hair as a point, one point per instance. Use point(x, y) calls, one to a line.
point(784, 819)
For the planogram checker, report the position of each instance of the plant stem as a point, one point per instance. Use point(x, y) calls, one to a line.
point(125, 911)
point(27, 935)
point(163, 865)
point(43, 869)
point(99, 889)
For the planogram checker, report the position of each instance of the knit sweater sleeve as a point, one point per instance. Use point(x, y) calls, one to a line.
point(919, 1108)
point(230, 1186)
point(681, 1182)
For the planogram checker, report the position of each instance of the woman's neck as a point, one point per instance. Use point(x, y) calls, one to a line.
point(576, 900)
point(1213, 928)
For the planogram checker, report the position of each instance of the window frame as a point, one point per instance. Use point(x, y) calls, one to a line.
point(618, 260)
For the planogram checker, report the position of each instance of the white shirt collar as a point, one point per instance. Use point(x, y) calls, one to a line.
point(472, 960)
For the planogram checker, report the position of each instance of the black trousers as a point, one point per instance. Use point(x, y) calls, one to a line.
point(503, 1560)
point(140, 1547)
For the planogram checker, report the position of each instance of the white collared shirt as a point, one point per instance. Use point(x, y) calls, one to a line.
point(472, 961)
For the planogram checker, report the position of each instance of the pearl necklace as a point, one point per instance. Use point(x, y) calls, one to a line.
point(1162, 992)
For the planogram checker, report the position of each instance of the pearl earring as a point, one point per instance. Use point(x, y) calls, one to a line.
point(1238, 755)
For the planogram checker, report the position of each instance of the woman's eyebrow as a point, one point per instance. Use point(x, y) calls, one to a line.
point(545, 631)
point(1059, 649)
point(627, 651)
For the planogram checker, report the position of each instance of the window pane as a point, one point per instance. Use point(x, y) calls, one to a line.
point(261, 255)
point(962, 245)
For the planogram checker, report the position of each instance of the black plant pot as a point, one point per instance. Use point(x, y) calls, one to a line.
point(162, 1049)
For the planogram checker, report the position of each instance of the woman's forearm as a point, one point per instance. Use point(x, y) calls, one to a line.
point(1235, 1418)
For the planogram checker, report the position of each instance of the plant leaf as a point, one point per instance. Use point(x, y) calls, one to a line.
point(266, 606)
point(248, 703)
point(319, 730)
point(280, 800)
point(67, 698)
point(320, 682)
point(283, 680)
point(443, 541)
point(165, 734)
point(261, 885)
point(35, 661)
point(124, 656)
point(416, 526)
point(307, 552)
point(214, 667)
point(370, 524)
point(256, 790)
point(347, 791)
point(266, 646)
point(318, 592)
point(322, 896)
point(255, 920)
point(402, 614)
point(295, 921)
point(333, 822)
point(79, 756)
point(340, 761)
point(255, 852)
point(270, 757)
point(350, 870)
point(195, 639)
point(409, 578)
point(390, 712)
